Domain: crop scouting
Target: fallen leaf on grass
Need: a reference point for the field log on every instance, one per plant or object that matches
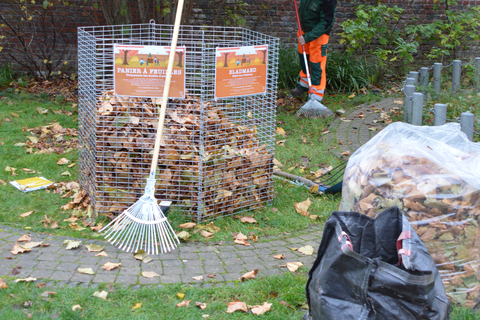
(240, 238)
(47, 294)
(261, 309)
(41, 110)
(3, 284)
(76, 227)
(2, 182)
(85, 271)
(76, 307)
(94, 247)
(29, 170)
(101, 254)
(197, 278)
(11, 170)
(201, 305)
(313, 217)
(248, 220)
(71, 244)
(236, 305)
(306, 250)
(63, 161)
(279, 256)
(137, 305)
(211, 228)
(183, 235)
(41, 285)
(110, 266)
(206, 234)
(24, 238)
(188, 225)
(18, 248)
(150, 274)
(101, 294)
(249, 275)
(345, 153)
(277, 163)
(293, 266)
(302, 207)
(66, 173)
(280, 131)
(184, 303)
(180, 295)
(351, 96)
(287, 304)
(29, 279)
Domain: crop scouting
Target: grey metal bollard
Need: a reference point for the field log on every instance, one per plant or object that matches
(477, 75)
(440, 111)
(414, 75)
(424, 82)
(410, 81)
(467, 121)
(457, 71)
(437, 76)
(409, 90)
(417, 110)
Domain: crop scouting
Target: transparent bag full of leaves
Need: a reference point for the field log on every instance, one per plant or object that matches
(433, 175)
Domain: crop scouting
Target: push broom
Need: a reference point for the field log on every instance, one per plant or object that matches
(313, 108)
(144, 226)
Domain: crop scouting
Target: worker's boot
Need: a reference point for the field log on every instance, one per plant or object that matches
(297, 91)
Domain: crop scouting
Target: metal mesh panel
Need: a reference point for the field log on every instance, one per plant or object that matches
(216, 156)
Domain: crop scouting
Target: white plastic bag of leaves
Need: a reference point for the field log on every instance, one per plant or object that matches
(433, 175)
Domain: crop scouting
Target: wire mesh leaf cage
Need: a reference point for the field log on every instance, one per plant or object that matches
(216, 155)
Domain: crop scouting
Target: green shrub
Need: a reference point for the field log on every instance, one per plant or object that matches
(344, 72)
(6, 75)
(288, 68)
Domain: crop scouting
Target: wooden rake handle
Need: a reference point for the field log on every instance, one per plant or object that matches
(166, 88)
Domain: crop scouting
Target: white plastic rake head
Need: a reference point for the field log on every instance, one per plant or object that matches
(143, 226)
(314, 109)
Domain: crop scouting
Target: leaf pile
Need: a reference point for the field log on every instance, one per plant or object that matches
(208, 162)
(52, 138)
(442, 207)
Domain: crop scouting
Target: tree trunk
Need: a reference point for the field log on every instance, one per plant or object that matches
(225, 65)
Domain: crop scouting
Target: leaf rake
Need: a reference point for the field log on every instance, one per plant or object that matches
(143, 226)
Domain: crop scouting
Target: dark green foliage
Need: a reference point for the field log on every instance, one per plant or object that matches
(6, 75)
(344, 72)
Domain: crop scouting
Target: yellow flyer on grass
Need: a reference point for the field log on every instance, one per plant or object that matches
(140, 71)
(31, 184)
(241, 71)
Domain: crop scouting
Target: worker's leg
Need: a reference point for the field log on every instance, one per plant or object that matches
(318, 61)
(302, 86)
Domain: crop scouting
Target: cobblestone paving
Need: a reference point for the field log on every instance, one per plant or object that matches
(349, 132)
(226, 261)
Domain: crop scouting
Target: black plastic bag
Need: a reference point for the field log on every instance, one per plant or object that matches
(374, 268)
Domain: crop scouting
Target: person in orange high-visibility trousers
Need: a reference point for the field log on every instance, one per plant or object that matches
(316, 19)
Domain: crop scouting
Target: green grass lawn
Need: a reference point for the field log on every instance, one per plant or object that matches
(303, 151)
(286, 293)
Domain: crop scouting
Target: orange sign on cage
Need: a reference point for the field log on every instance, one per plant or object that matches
(241, 71)
(140, 71)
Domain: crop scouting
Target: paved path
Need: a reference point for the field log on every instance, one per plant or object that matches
(350, 131)
(227, 262)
